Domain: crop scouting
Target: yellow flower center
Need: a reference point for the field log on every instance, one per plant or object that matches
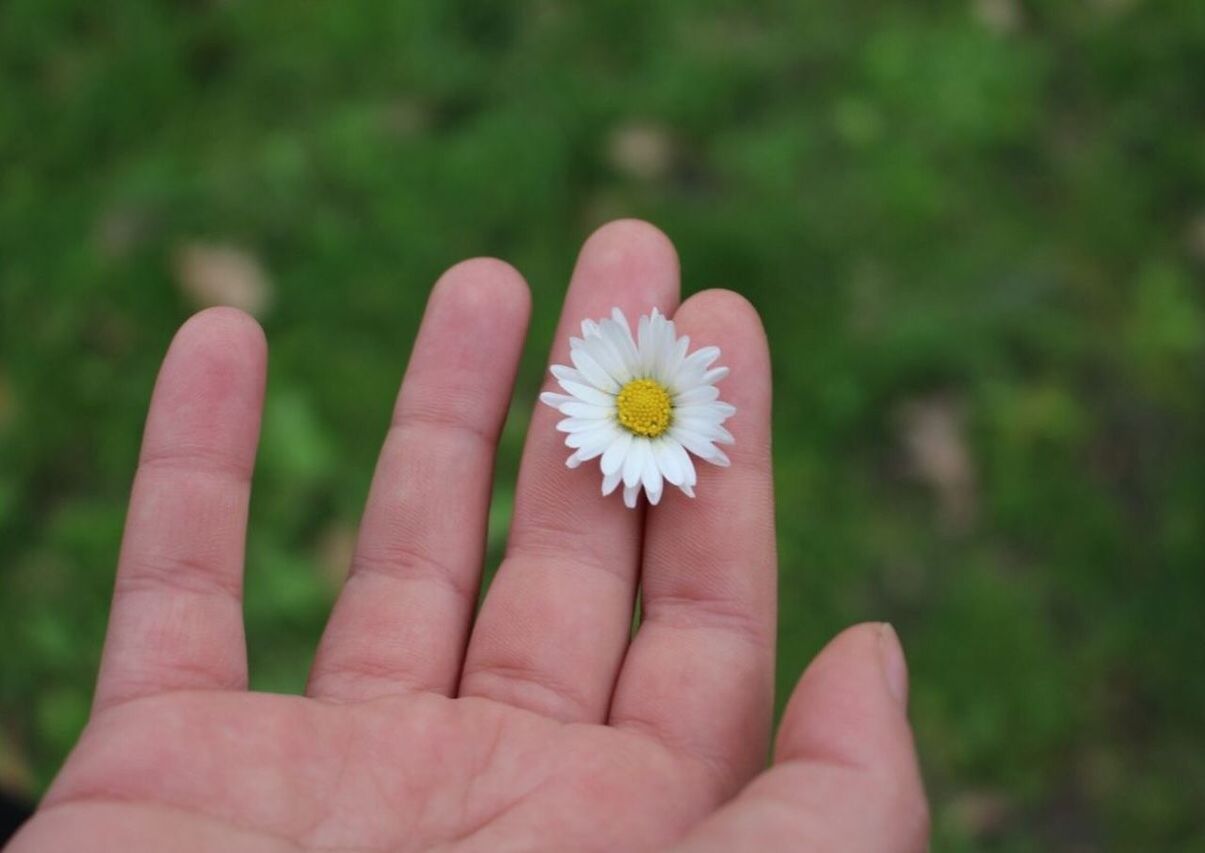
(644, 407)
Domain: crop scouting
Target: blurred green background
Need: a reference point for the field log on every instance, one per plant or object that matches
(976, 231)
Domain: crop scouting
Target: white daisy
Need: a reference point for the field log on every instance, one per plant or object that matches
(638, 405)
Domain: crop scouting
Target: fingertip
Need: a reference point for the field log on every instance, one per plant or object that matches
(226, 331)
(217, 360)
(476, 319)
(731, 321)
(210, 387)
(625, 235)
(724, 302)
(636, 264)
(484, 286)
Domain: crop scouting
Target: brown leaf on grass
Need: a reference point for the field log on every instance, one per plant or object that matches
(1112, 8)
(406, 118)
(7, 399)
(16, 773)
(999, 17)
(933, 434)
(211, 274)
(1195, 237)
(977, 814)
(121, 230)
(642, 151)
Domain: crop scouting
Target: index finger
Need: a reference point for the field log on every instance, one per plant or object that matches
(177, 618)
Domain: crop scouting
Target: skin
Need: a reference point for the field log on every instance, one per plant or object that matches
(543, 723)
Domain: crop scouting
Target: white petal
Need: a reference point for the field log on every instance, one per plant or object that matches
(695, 443)
(696, 423)
(593, 443)
(592, 451)
(694, 370)
(684, 381)
(612, 459)
(621, 344)
(574, 460)
(651, 476)
(633, 465)
(593, 371)
(720, 435)
(688, 491)
(610, 481)
(698, 395)
(684, 463)
(587, 393)
(674, 367)
(667, 461)
(607, 358)
(568, 374)
(620, 339)
(581, 424)
(720, 458)
(654, 497)
(619, 318)
(663, 350)
(577, 409)
(705, 428)
(630, 495)
(649, 333)
(701, 358)
(589, 438)
(621, 358)
(551, 398)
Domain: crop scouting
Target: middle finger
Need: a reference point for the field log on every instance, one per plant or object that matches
(554, 627)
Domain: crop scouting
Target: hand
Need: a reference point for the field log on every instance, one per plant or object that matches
(539, 725)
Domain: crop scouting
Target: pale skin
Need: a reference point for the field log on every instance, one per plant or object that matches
(540, 722)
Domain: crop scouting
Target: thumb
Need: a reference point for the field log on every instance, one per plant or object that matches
(845, 776)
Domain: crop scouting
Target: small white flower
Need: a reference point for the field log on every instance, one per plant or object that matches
(640, 404)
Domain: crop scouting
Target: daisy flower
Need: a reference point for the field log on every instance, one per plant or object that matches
(641, 405)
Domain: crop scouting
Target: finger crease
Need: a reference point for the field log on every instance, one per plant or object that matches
(407, 564)
(165, 573)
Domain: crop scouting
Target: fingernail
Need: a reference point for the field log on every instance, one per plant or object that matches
(895, 668)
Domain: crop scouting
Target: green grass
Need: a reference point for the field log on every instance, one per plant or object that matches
(938, 207)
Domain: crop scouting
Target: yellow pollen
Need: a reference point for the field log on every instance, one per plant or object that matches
(644, 407)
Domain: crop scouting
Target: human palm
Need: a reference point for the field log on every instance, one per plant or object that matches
(543, 722)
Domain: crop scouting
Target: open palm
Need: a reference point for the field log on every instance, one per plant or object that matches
(544, 723)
